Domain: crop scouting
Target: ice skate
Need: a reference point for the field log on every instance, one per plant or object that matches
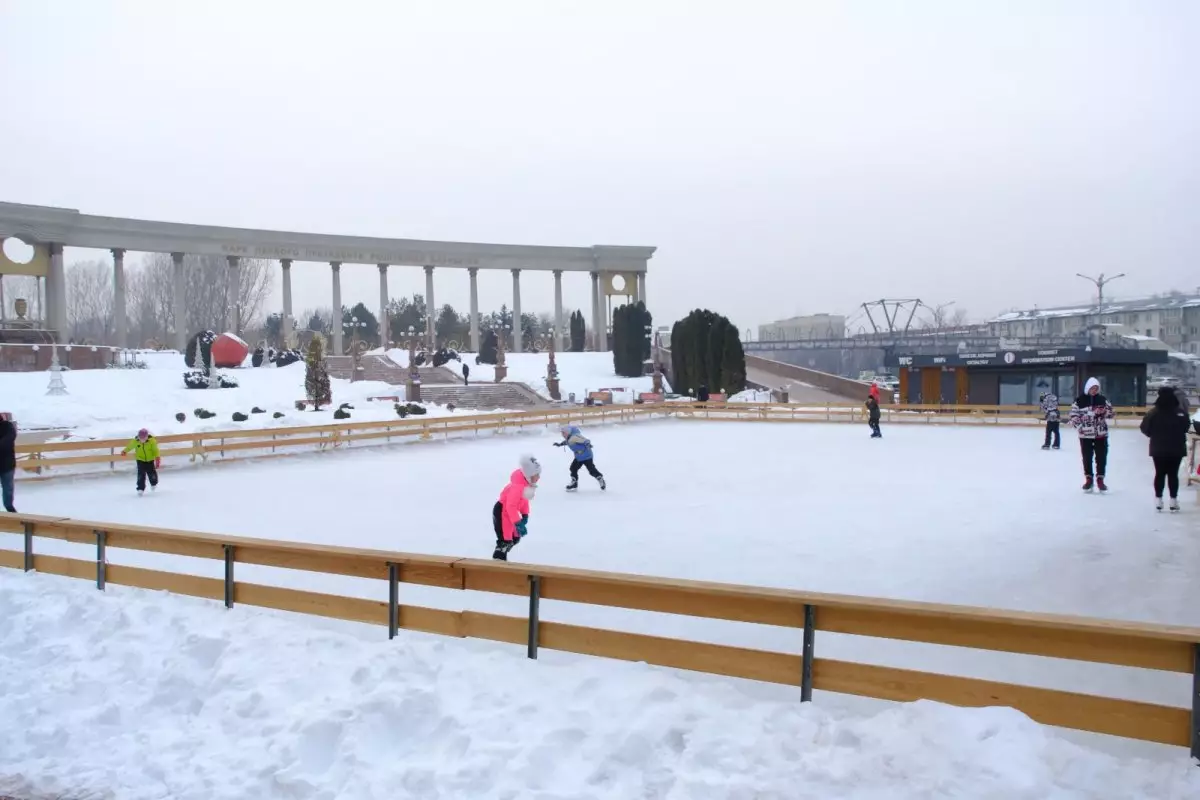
(1100, 484)
(1045, 447)
(603, 485)
(573, 485)
(141, 492)
(1158, 504)
(1088, 483)
(1174, 504)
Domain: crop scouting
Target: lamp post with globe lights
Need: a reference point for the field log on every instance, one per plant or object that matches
(356, 352)
(412, 388)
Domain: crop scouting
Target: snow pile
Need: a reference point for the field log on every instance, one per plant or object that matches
(132, 694)
(114, 403)
(578, 373)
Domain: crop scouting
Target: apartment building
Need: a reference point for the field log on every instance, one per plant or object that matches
(1172, 319)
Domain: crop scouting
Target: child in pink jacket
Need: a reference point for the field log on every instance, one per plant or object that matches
(510, 515)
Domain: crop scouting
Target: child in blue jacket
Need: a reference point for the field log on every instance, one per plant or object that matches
(581, 447)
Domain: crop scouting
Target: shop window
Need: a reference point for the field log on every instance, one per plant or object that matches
(1014, 390)
(1066, 389)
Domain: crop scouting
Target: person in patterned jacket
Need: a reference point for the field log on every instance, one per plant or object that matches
(1090, 414)
(1049, 401)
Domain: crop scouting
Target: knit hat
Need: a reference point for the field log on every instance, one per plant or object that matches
(530, 467)
(143, 434)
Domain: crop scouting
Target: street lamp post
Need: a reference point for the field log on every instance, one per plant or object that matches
(412, 389)
(355, 353)
(1100, 282)
(552, 370)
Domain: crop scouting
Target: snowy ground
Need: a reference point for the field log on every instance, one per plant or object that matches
(133, 696)
(978, 516)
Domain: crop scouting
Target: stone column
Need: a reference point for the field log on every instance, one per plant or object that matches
(56, 293)
(120, 316)
(383, 305)
(233, 306)
(286, 263)
(597, 315)
(179, 283)
(641, 287)
(516, 332)
(336, 322)
(430, 310)
(558, 318)
(474, 273)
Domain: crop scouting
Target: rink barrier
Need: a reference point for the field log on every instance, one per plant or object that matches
(262, 443)
(1163, 648)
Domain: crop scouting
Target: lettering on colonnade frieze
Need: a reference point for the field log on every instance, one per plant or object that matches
(411, 257)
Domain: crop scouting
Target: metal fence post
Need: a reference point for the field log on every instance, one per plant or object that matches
(393, 599)
(228, 575)
(806, 670)
(535, 595)
(28, 526)
(1196, 701)
(100, 559)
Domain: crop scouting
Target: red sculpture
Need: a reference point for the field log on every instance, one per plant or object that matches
(228, 351)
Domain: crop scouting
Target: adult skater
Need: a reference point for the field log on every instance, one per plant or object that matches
(145, 450)
(1089, 415)
(1049, 401)
(1166, 425)
(510, 514)
(873, 416)
(8, 459)
(466, 374)
(581, 446)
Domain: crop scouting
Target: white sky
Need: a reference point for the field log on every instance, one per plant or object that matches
(784, 157)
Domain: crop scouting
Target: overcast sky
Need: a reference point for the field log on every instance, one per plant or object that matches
(784, 157)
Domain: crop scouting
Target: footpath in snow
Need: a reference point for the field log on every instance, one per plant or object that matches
(136, 695)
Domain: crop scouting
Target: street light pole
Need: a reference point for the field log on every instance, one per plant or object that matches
(1100, 282)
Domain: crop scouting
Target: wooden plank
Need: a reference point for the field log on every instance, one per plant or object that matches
(191, 585)
(494, 627)
(715, 659)
(1128, 718)
(12, 559)
(693, 602)
(430, 620)
(279, 555)
(1010, 636)
(71, 567)
(446, 576)
(14, 523)
(173, 543)
(333, 606)
(481, 578)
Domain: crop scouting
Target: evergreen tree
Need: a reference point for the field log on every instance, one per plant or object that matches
(316, 376)
(707, 350)
(578, 332)
(370, 331)
(488, 347)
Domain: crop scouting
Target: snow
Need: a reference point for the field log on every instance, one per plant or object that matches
(294, 703)
(114, 403)
(140, 695)
(578, 373)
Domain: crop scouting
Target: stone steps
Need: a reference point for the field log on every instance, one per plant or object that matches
(484, 396)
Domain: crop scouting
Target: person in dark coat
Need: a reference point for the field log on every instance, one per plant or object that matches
(873, 416)
(8, 459)
(466, 374)
(1166, 425)
(702, 393)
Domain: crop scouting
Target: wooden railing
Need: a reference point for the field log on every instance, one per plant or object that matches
(265, 442)
(1145, 646)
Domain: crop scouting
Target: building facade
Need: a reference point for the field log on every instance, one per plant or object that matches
(812, 326)
(1172, 319)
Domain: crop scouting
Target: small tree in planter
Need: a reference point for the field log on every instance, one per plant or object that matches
(316, 376)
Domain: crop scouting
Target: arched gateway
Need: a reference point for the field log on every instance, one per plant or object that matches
(49, 229)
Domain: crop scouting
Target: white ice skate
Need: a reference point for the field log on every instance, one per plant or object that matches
(1174, 504)
(1158, 504)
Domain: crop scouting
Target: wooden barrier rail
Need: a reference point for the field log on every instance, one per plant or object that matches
(258, 441)
(1146, 646)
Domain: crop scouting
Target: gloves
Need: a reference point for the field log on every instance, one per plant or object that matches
(124, 453)
(523, 527)
(560, 444)
(158, 462)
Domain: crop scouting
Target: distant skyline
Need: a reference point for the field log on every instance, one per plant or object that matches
(785, 158)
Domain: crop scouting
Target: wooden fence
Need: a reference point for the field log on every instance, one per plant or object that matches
(1154, 647)
(265, 442)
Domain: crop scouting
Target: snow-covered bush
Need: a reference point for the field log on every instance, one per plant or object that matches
(341, 413)
(240, 417)
(257, 410)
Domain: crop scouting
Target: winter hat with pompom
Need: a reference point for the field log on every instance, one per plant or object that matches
(530, 467)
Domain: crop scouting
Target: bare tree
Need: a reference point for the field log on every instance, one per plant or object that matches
(211, 301)
(90, 301)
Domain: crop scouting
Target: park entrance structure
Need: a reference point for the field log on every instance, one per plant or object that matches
(614, 270)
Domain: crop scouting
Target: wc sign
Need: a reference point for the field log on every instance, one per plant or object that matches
(905, 361)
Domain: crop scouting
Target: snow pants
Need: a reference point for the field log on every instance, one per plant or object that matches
(146, 470)
(1166, 473)
(502, 545)
(591, 468)
(1052, 430)
(1097, 448)
(6, 484)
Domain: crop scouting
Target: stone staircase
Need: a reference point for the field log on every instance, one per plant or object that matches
(484, 396)
(382, 368)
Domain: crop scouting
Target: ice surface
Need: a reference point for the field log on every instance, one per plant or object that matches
(977, 516)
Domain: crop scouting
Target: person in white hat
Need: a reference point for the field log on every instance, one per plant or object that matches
(1090, 414)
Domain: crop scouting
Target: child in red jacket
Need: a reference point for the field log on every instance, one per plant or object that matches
(510, 514)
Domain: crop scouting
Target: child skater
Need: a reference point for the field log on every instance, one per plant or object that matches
(510, 514)
(145, 450)
(873, 414)
(581, 446)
